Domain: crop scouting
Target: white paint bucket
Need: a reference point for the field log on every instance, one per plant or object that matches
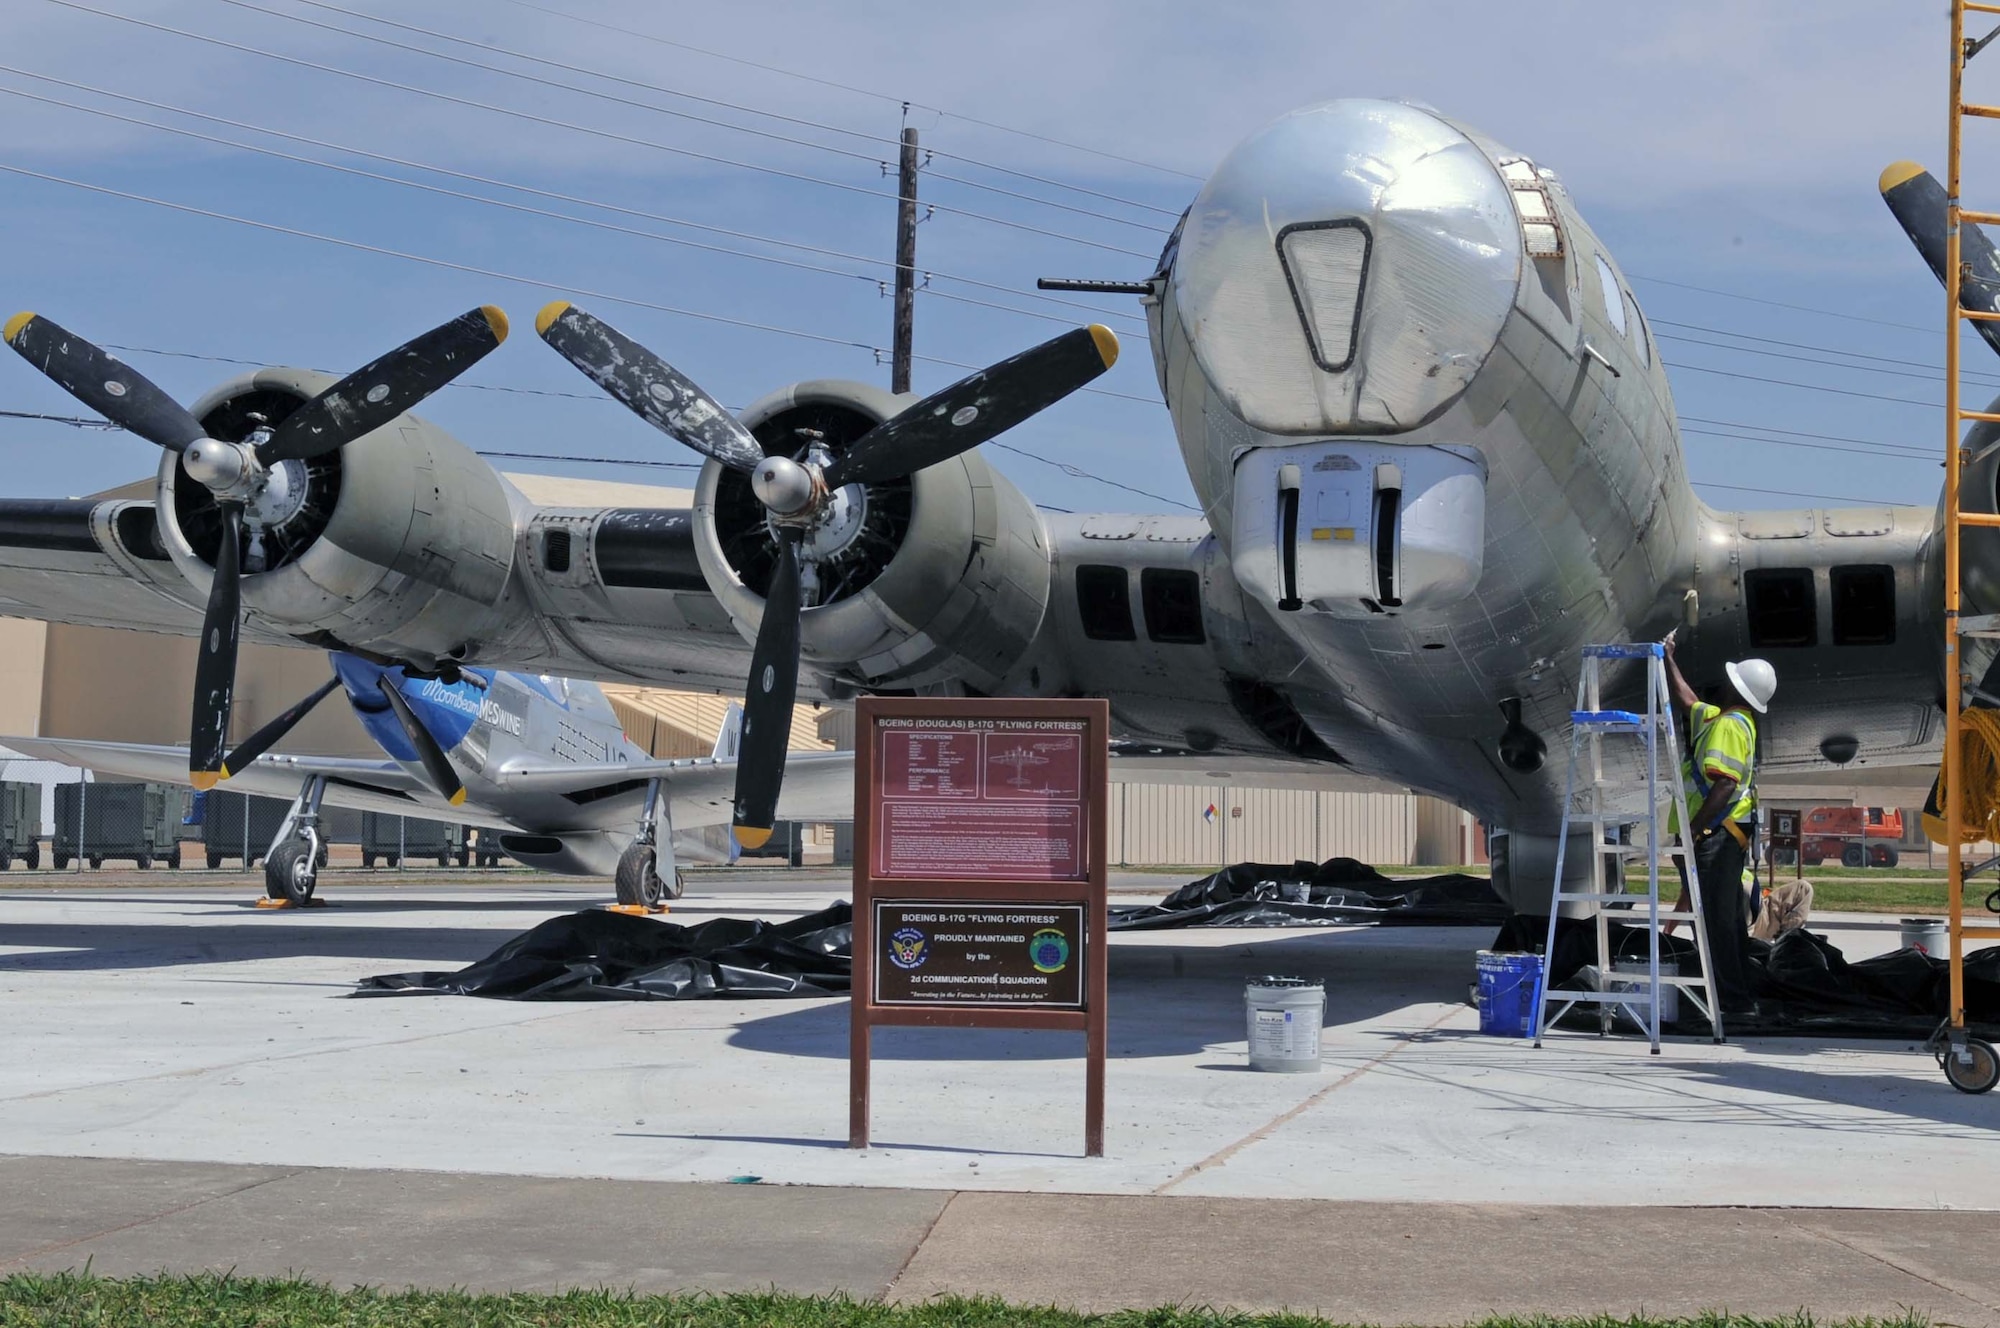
(1632, 976)
(1284, 1016)
(1928, 935)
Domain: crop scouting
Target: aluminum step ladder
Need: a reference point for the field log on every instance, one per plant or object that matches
(1610, 811)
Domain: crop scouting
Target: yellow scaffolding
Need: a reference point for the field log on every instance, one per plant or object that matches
(1959, 1054)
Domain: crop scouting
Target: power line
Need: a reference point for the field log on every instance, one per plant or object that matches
(509, 185)
(1815, 447)
(518, 207)
(581, 129)
(438, 262)
(1788, 493)
(1801, 359)
(861, 92)
(689, 96)
(1780, 304)
(1797, 433)
(1809, 387)
(1802, 345)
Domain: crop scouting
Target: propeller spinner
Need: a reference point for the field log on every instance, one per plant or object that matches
(802, 493)
(243, 474)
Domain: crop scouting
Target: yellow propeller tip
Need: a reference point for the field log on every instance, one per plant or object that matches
(551, 311)
(1107, 343)
(496, 318)
(226, 771)
(1897, 173)
(204, 779)
(15, 324)
(458, 798)
(752, 836)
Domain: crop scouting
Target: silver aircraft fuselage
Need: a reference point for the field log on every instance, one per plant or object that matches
(1369, 302)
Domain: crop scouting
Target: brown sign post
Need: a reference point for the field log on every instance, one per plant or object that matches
(979, 840)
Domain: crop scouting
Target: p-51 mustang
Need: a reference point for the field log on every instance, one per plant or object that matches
(542, 760)
(1426, 420)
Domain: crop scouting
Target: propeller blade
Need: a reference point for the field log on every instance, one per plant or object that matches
(767, 709)
(384, 388)
(215, 666)
(651, 388)
(103, 382)
(268, 737)
(1917, 200)
(976, 408)
(443, 778)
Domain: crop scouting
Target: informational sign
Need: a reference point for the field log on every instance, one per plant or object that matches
(1784, 830)
(979, 897)
(943, 952)
(979, 799)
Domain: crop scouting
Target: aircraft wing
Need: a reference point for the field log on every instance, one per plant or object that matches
(819, 786)
(358, 783)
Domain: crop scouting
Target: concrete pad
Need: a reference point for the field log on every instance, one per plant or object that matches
(397, 1229)
(1436, 1263)
(179, 1024)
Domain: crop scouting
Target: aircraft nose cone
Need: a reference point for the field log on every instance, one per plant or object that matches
(1348, 266)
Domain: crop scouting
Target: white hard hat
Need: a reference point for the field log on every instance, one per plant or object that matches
(1754, 680)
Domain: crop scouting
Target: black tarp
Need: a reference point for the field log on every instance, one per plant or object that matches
(1303, 894)
(596, 955)
(1804, 985)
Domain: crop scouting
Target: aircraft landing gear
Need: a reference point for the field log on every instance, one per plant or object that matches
(641, 882)
(291, 868)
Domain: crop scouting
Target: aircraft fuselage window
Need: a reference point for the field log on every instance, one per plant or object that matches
(1614, 297)
(1864, 606)
(1173, 606)
(1781, 608)
(1104, 602)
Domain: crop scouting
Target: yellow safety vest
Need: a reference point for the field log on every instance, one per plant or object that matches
(1725, 742)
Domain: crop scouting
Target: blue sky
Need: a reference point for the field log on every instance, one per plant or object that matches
(1714, 145)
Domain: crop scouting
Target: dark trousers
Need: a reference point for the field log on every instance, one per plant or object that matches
(1719, 861)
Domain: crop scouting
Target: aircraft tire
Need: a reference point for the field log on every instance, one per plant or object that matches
(638, 879)
(292, 870)
(33, 857)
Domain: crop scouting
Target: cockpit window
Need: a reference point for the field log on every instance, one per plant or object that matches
(1173, 246)
(1639, 332)
(1614, 298)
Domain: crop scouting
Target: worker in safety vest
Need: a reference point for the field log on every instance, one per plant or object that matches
(1719, 800)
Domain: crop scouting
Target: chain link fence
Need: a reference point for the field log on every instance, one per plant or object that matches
(94, 822)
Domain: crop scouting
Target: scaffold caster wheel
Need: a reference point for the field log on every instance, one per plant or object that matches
(1977, 1071)
(290, 872)
(638, 878)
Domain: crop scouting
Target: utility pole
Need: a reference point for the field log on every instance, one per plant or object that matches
(906, 265)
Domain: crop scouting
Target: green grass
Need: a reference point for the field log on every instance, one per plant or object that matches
(75, 1300)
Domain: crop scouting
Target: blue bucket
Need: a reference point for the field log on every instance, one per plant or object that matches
(1508, 985)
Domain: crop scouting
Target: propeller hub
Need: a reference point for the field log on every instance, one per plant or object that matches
(783, 485)
(219, 465)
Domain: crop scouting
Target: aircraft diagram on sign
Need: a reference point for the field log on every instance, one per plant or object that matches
(1426, 420)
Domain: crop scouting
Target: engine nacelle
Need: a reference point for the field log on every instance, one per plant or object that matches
(402, 541)
(942, 575)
